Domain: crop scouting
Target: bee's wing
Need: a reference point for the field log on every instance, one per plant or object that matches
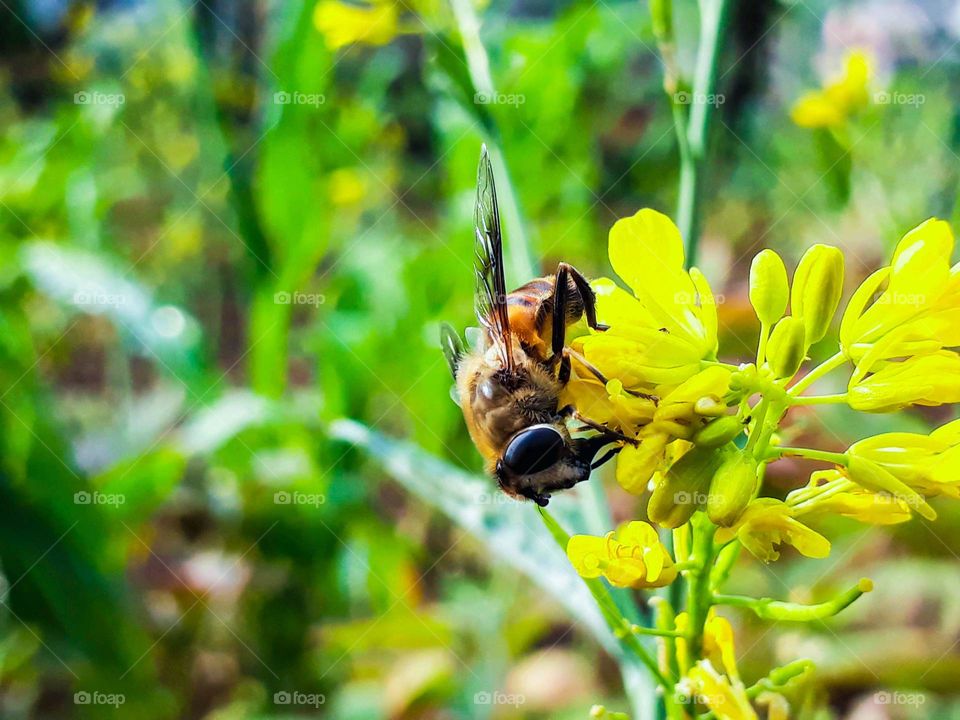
(490, 294)
(452, 347)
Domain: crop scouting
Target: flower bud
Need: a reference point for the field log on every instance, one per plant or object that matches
(719, 432)
(681, 490)
(732, 488)
(787, 347)
(769, 289)
(817, 286)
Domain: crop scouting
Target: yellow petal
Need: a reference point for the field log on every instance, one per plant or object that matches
(587, 554)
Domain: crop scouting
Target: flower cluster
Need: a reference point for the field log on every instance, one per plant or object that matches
(706, 430)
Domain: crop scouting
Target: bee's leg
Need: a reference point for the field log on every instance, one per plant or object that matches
(609, 455)
(541, 500)
(571, 353)
(559, 330)
(563, 375)
(586, 294)
(608, 434)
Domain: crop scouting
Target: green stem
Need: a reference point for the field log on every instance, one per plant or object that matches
(831, 363)
(520, 262)
(810, 454)
(835, 399)
(771, 609)
(758, 424)
(712, 21)
(699, 597)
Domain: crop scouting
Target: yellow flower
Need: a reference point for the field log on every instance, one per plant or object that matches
(929, 464)
(829, 492)
(676, 417)
(922, 380)
(832, 105)
(347, 186)
(343, 23)
(918, 310)
(714, 681)
(609, 404)
(630, 557)
(659, 335)
(767, 523)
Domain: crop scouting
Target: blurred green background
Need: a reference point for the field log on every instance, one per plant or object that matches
(226, 228)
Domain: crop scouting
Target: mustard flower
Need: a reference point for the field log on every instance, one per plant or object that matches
(630, 557)
(343, 23)
(832, 493)
(767, 523)
(832, 105)
(929, 464)
(714, 681)
(910, 307)
(659, 335)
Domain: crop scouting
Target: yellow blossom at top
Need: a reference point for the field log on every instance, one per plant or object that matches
(917, 309)
(833, 104)
(659, 335)
(343, 23)
(630, 557)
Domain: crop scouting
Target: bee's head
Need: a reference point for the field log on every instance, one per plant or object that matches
(542, 458)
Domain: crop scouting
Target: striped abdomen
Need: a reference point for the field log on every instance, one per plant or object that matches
(530, 309)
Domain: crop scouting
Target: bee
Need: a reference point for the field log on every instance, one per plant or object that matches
(509, 384)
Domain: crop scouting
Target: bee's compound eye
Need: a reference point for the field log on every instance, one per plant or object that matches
(534, 450)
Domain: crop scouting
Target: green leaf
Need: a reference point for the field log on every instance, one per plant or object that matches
(511, 532)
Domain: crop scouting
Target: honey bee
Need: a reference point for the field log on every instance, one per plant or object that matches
(509, 384)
